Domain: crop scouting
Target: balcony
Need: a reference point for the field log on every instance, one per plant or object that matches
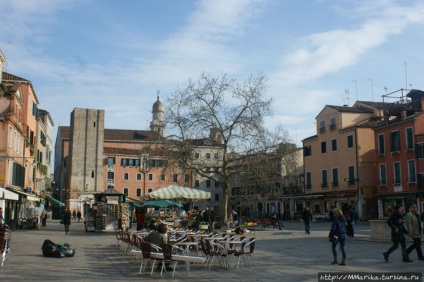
(110, 181)
(382, 183)
(335, 185)
(324, 186)
(322, 130)
(332, 127)
(110, 167)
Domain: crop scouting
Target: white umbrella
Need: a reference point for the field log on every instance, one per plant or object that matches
(174, 192)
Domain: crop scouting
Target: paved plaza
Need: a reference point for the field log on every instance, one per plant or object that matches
(286, 255)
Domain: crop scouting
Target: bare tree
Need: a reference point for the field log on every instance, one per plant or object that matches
(232, 112)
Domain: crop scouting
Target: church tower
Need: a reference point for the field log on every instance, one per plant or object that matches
(158, 121)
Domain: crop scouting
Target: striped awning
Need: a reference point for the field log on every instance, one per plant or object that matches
(174, 192)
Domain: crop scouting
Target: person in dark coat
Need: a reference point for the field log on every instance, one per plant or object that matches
(207, 217)
(79, 215)
(398, 234)
(307, 218)
(413, 225)
(338, 235)
(67, 220)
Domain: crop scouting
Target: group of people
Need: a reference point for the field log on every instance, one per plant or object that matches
(340, 229)
(76, 214)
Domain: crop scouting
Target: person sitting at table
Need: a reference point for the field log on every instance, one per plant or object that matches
(159, 237)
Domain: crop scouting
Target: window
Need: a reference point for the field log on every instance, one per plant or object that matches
(110, 175)
(333, 124)
(92, 174)
(334, 145)
(208, 156)
(10, 137)
(335, 177)
(138, 176)
(383, 175)
(412, 178)
(409, 139)
(125, 175)
(196, 155)
(110, 161)
(381, 148)
(308, 180)
(126, 192)
(150, 177)
(216, 156)
(149, 190)
(216, 197)
(394, 141)
(158, 163)
(216, 184)
(420, 151)
(196, 183)
(162, 177)
(208, 183)
(323, 147)
(138, 192)
(322, 127)
(350, 141)
(186, 178)
(324, 179)
(307, 151)
(397, 176)
(174, 177)
(351, 173)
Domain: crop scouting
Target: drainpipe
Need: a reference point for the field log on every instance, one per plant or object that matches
(358, 199)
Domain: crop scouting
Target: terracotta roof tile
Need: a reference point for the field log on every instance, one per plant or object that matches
(9, 76)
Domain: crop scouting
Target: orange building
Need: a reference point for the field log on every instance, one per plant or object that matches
(339, 161)
(400, 153)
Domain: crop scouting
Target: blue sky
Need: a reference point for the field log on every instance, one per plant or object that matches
(115, 55)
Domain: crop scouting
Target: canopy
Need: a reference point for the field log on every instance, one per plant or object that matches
(8, 195)
(175, 192)
(56, 203)
(160, 204)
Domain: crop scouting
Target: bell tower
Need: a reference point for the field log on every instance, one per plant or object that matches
(158, 120)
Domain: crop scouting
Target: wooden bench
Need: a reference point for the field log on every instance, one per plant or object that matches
(268, 223)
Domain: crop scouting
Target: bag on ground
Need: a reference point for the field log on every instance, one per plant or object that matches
(51, 249)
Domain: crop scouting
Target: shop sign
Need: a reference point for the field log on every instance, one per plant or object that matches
(112, 200)
(397, 188)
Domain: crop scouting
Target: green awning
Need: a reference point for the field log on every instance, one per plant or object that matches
(54, 202)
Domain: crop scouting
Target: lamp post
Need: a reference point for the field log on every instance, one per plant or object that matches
(144, 168)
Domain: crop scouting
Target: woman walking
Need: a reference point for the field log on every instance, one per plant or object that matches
(338, 235)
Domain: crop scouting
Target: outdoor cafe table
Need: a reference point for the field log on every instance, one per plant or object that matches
(184, 245)
(186, 259)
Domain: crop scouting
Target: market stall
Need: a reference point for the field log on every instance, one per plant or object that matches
(110, 210)
(177, 193)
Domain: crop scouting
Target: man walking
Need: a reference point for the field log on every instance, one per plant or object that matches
(413, 225)
(307, 218)
(67, 220)
(398, 234)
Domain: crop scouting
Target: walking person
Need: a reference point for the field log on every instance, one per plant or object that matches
(74, 215)
(413, 225)
(398, 234)
(43, 218)
(307, 218)
(67, 220)
(79, 215)
(338, 235)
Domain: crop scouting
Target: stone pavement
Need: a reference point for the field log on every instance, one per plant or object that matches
(286, 255)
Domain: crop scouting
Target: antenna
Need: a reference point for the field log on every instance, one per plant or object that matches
(406, 77)
(385, 89)
(347, 96)
(356, 88)
(372, 90)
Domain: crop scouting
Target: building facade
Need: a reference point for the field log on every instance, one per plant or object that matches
(339, 161)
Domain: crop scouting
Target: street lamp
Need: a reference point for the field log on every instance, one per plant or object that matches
(144, 168)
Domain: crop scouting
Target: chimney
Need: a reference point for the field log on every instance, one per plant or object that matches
(403, 114)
